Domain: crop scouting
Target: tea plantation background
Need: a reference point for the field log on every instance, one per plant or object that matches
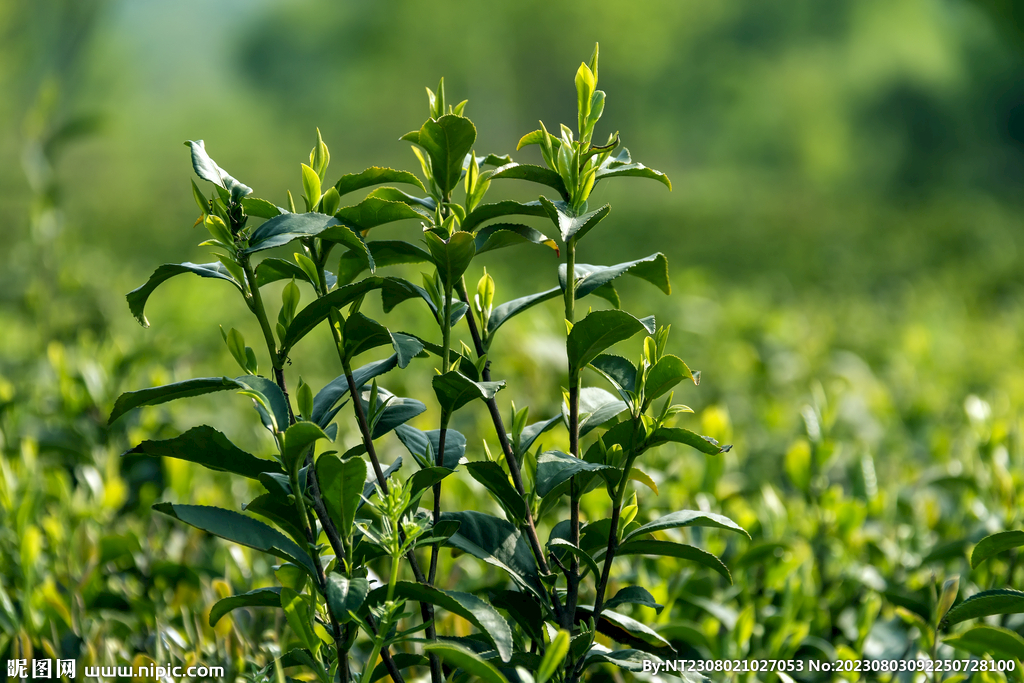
(845, 238)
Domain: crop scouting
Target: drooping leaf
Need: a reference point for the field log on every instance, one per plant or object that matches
(278, 510)
(467, 661)
(634, 595)
(989, 641)
(666, 373)
(495, 480)
(375, 211)
(395, 291)
(535, 174)
(555, 467)
(990, 546)
(425, 206)
(208, 447)
(684, 518)
(622, 166)
(326, 398)
(570, 226)
(169, 392)
(207, 169)
(600, 330)
(270, 400)
(240, 529)
(138, 297)
(507, 310)
(417, 441)
(452, 257)
(486, 212)
(498, 543)
(346, 595)
(341, 483)
(375, 175)
(454, 390)
(427, 477)
(362, 334)
(466, 605)
(653, 269)
(500, 235)
(984, 604)
(704, 444)
(680, 550)
(447, 141)
(261, 597)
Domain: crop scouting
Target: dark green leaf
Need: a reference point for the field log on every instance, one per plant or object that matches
(495, 480)
(486, 212)
(684, 518)
(342, 486)
(984, 604)
(170, 392)
(468, 606)
(616, 166)
(617, 370)
(447, 141)
(416, 441)
(532, 432)
(535, 174)
(398, 411)
(317, 311)
(240, 529)
(500, 235)
(570, 226)
(600, 330)
(555, 467)
(326, 398)
(624, 629)
(634, 595)
(402, 660)
(498, 543)
(990, 546)
(362, 334)
(208, 447)
(989, 641)
(286, 227)
(502, 313)
(524, 610)
(653, 269)
(261, 597)
(587, 560)
(452, 257)
(278, 510)
(346, 595)
(138, 297)
(596, 407)
(427, 477)
(466, 660)
(454, 390)
(271, 395)
(275, 269)
(384, 253)
(207, 169)
(425, 206)
(375, 175)
(374, 211)
(704, 444)
(669, 549)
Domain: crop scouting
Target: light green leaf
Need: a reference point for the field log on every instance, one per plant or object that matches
(704, 444)
(296, 609)
(666, 373)
(311, 187)
(989, 641)
(495, 480)
(452, 257)
(297, 440)
(534, 174)
(554, 656)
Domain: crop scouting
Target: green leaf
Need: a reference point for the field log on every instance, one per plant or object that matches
(600, 330)
(317, 311)
(498, 543)
(466, 660)
(384, 253)
(311, 187)
(617, 370)
(402, 660)
(622, 166)
(374, 211)
(452, 257)
(495, 480)
(261, 597)
(292, 226)
(666, 373)
(524, 610)
(653, 269)
(468, 606)
(375, 175)
(532, 432)
(990, 546)
(596, 407)
(535, 174)
(346, 595)
(260, 208)
(325, 400)
(427, 477)
(296, 608)
(425, 206)
(275, 269)
(240, 529)
(138, 297)
(582, 555)
(704, 444)
(170, 392)
(362, 334)
(984, 604)
(634, 595)
(454, 390)
(989, 641)
(635, 660)
(501, 235)
(371, 485)
(501, 314)
(684, 518)
(416, 442)
(554, 656)
(269, 397)
(207, 169)
(569, 225)
(341, 483)
(680, 550)
(398, 411)
(624, 629)
(208, 447)
(555, 467)
(278, 510)
(447, 141)
(486, 212)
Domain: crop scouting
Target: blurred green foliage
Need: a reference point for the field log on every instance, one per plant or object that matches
(845, 228)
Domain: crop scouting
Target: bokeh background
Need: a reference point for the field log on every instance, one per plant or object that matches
(844, 232)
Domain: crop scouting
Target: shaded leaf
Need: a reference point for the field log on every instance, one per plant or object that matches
(495, 480)
(467, 660)
(634, 595)
(617, 370)
(454, 390)
(416, 442)
(384, 253)
(374, 211)
(261, 597)
(580, 554)
(341, 483)
(326, 398)
(507, 310)
(498, 543)
(621, 166)
(346, 595)
(624, 629)
(989, 641)
(653, 269)
(570, 226)
(500, 235)
(680, 550)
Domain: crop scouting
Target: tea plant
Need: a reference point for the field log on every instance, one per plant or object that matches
(340, 518)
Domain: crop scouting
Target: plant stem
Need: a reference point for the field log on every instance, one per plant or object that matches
(573, 577)
(446, 345)
(506, 447)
